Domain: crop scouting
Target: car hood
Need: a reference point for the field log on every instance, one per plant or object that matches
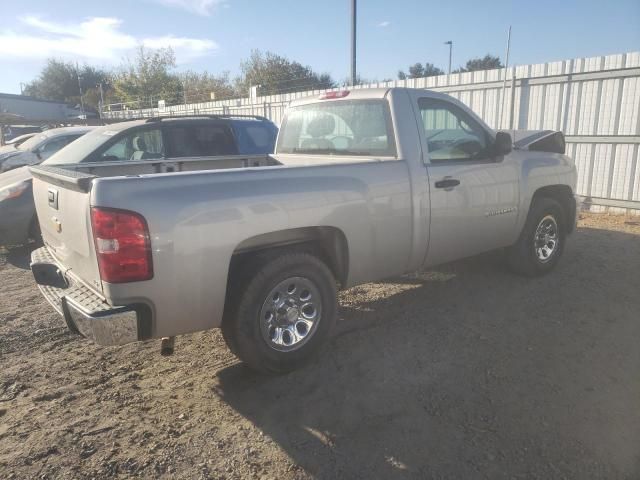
(14, 176)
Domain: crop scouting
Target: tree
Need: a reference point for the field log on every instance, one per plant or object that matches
(58, 80)
(488, 62)
(198, 87)
(417, 70)
(276, 74)
(148, 78)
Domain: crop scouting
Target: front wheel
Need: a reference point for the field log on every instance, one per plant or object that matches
(541, 242)
(280, 312)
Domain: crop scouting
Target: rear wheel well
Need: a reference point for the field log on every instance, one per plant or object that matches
(329, 244)
(564, 196)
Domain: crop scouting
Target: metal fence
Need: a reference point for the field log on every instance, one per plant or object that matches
(594, 101)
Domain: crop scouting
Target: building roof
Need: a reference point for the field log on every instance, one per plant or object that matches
(27, 98)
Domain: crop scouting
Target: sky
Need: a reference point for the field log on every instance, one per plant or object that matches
(216, 35)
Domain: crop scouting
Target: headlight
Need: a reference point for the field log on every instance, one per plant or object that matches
(13, 191)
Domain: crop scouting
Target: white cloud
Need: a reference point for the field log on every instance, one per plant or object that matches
(199, 7)
(96, 38)
(384, 24)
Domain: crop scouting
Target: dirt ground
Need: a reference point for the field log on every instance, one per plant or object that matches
(463, 372)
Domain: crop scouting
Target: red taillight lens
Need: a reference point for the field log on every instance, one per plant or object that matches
(122, 245)
(330, 95)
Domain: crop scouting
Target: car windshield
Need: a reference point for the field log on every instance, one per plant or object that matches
(79, 149)
(358, 127)
(33, 142)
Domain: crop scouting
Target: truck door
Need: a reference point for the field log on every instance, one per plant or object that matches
(474, 194)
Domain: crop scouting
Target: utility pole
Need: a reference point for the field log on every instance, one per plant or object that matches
(101, 98)
(22, 85)
(450, 43)
(84, 116)
(353, 42)
(504, 79)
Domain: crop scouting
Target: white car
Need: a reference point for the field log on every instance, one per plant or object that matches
(39, 147)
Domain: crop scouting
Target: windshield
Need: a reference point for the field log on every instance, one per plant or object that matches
(358, 127)
(33, 142)
(79, 149)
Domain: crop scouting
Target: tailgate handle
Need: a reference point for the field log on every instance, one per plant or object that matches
(52, 197)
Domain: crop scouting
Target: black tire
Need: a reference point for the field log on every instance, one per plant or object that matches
(522, 256)
(248, 291)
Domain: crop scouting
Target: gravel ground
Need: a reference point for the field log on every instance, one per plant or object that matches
(463, 372)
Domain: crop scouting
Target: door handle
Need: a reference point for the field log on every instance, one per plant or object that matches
(447, 182)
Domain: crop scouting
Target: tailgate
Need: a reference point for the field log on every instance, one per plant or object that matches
(62, 199)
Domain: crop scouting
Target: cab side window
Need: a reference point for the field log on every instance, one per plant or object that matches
(136, 145)
(52, 146)
(452, 135)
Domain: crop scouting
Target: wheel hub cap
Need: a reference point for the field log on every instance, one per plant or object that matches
(290, 314)
(546, 239)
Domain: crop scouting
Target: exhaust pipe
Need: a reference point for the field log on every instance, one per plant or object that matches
(166, 346)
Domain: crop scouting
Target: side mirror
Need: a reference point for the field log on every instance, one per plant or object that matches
(503, 144)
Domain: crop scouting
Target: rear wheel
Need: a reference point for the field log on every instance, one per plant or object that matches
(280, 312)
(541, 242)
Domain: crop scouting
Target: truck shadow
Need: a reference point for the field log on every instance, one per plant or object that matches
(468, 371)
(19, 256)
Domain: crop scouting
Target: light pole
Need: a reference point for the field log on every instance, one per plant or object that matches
(450, 43)
(84, 116)
(353, 42)
(101, 98)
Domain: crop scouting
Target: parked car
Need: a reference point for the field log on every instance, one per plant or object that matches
(20, 139)
(39, 147)
(11, 132)
(364, 184)
(18, 220)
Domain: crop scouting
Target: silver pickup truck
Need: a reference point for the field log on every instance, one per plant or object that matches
(364, 184)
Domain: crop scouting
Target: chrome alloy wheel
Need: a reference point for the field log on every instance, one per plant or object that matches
(546, 239)
(290, 314)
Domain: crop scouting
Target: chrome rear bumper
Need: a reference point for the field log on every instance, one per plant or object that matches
(84, 310)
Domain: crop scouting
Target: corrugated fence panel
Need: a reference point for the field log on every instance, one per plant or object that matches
(622, 170)
(600, 173)
(588, 110)
(635, 195)
(608, 107)
(582, 157)
(630, 107)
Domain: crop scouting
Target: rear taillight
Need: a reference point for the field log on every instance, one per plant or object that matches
(122, 244)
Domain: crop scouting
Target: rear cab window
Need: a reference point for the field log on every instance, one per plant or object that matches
(344, 127)
(203, 139)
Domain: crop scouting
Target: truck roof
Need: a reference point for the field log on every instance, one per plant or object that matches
(362, 94)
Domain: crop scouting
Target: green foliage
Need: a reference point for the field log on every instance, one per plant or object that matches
(59, 81)
(148, 78)
(198, 87)
(417, 70)
(488, 62)
(276, 74)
